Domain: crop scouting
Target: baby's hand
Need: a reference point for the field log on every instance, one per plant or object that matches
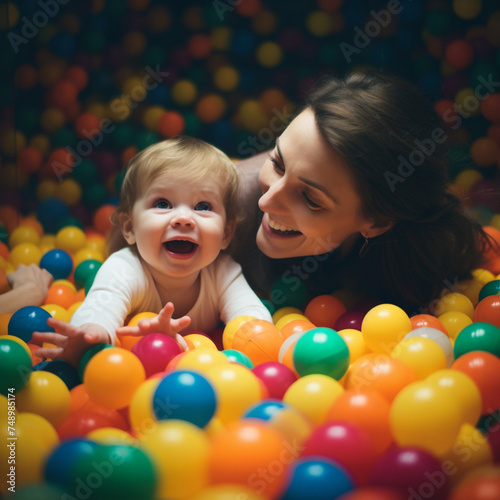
(163, 323)
(71, 341)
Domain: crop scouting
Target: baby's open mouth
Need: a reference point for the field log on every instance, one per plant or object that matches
(180, 246)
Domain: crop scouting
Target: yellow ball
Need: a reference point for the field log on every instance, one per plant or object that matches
(58, 312)
(226, 78)
(454, 322)
(467, 178)
(227, 492)
(453, 301)
(141, 414)
(467, 100)
(184, 92)
(152, 116)
(25, 253)
(355, 343)
(72, 309)
(46, 188)
(279, 313)
(200, 341)
(313, 395)
(52, 120)
(202, 359)
(71, 239)
(467, 9)
(42, 143)
(269, 54)
(425, 416)
(221, 37)
(319, 23)
(422, 354)
(69, 191)
(483, 275)
(252, 116)
(46, 395)
(24, 234)
(384, 326)
(87, 253)
(287, 318)
(111, 435)
(230, 330)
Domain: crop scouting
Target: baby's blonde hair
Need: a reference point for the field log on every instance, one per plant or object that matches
(189, 159)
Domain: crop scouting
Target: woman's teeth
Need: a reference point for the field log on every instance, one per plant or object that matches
(279, 227)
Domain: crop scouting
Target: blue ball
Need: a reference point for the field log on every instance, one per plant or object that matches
(185, 395)
(50, 212)
(317, 479)
(62, 461)
(264, 410)
(27, 320)
(66, 372)
(58, 263)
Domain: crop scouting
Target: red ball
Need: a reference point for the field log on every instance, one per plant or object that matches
(276, 376)
(155, 352)
(29, 159)
(490, 107)
(459, 54)
(80, 423)
(171, 124)
(324, 310)
(78, 76)
(88, 125)
(102, 218)
(488, 310)
(63, 93)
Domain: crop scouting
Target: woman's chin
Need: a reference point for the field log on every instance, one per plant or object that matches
(268, 248)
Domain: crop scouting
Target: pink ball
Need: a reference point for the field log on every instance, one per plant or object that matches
(349, 320)
(155, 352)
(276, 376)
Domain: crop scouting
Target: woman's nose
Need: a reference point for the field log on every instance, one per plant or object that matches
(272, 199)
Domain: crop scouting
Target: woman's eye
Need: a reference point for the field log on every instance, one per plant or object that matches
(163, 204)
(276, 164)
(310, 203)
(203, 206)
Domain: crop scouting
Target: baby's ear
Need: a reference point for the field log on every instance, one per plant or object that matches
(125, 223)
(228, 233)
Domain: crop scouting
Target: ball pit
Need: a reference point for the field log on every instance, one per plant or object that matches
(93, 86)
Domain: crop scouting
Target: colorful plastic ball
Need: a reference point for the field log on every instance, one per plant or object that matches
(424, 355)
(349, 320)
(45, 394)
(426, 416)
(296, 325)
(324, 310)
(490, 288)
(276, 376)
(58, 262)
(24, 234)
(71, 239)
(317, 478)
(61, 294)
(63, 458)
(66, 372)
(259, 339)
(321, 350)
(483, 368)
(384, 326)
(183, 471)
(196, 340)
(374, 493)
(210, 108)
(79, 423)
(454, 322)
(141, 413)
(288, 318)
(459, 54)
(437, 336)
(171, 124)
(265, 409)
(464, 390)
(50, 212)
(85, 270)
(346, 443)
(155, 352)
(481, 485)
(478, 337)
(200, 359)
(413, 471)
(427, 320)
(112, 376)
(230, 330)
(25, 253)
(367, 409)
(488, 311)
(235, 356)
(15, 367)
(264, 449)
(27, 320)
(227, 492)
(314, 395)
(122, 470)
(355, 343)
(185, 395)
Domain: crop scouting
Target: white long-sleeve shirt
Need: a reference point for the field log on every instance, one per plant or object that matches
(124, 286)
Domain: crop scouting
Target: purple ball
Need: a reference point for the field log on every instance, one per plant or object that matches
(412, 470)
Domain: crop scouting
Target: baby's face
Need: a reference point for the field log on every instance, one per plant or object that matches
(179, 226)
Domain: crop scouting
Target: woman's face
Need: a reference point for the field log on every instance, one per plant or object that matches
(309, 199)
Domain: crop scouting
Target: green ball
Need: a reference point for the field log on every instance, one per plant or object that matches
(94, 196)
(15, 367)
(438, 22)
(269, 306)
(145, 139)
(85, 270)
(4, 235)
(125, 472)
(478, 337)
(38, 491)
(235, 356)
(70, 220)
(490, 288)
(321, 350)
(86, 173)
(289, 291)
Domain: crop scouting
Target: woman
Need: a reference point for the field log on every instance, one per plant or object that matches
(354, 196)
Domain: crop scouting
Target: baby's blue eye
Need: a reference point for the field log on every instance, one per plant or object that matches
(203, 206)
(163, 204)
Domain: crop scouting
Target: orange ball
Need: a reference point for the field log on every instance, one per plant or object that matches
(379, 372)
(102, 218)
(60, 160)
(88, 125)
(78, 76)
(210, 108)
(296, 326)
(490, 107)
(248, 8)
(488, 311)
(259, 339)
(61, 295)
(484, 151)
(26, 77)
(199, 46)
(29, 159)
(171, 124)
(324, 310)
(422, 320)
(62, 94)
(459, 54)
(367, 409)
